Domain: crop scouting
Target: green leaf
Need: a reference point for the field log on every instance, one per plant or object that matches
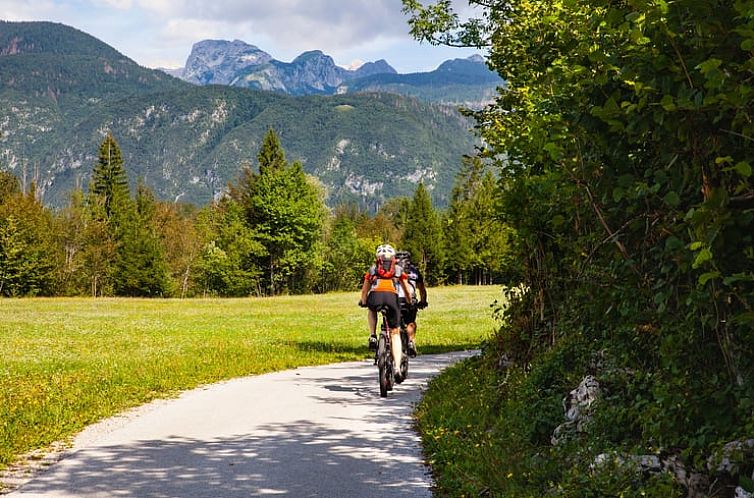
(709, 65)
(743, 168)
(672, 199)
(701, 258)
(668, 103)
(706, 277)
(553, 150)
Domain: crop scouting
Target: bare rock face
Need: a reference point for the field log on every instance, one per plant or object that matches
(220, 61)
(236, 63)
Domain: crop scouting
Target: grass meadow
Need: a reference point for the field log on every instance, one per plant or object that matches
(68, 362)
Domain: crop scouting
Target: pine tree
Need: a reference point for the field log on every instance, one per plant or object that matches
(286, 211)
(271, 155)
(460, 219)
(488, 233)
(109, 180)
(423, 236)
(141, 266)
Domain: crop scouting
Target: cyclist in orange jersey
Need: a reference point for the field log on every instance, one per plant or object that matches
(381, 288)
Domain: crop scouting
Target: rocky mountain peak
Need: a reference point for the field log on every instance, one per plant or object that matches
(220, 61)
(378, 67)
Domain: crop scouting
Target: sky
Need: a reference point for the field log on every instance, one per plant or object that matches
(160, 33)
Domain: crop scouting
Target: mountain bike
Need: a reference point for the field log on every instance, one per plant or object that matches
(383, 357)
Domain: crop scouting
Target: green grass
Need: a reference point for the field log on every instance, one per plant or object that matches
(67, 363)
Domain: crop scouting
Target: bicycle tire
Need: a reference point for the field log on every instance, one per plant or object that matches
(404, 356)
(383, 370)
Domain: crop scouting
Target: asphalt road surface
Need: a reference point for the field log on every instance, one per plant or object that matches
(309, 432)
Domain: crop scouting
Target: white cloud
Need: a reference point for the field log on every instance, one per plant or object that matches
(118, 4)
(161, 32)
(299, 24)
(30, 10)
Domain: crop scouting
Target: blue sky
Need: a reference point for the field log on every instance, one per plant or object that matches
(160, 33)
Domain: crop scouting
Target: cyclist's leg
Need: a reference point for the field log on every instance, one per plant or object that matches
(372, 302)
(409, 317)
(394, 322)
(372, 320)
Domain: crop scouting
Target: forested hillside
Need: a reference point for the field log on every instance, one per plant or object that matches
(270, 233)
(61, 91)
(625, 362)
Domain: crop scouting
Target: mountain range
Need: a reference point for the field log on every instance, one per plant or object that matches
(62, 90)
(466, 82)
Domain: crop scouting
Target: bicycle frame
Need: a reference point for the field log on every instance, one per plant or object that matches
(383, 357)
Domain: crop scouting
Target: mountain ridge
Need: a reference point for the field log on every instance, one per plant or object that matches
(457, 81)
(187, 142)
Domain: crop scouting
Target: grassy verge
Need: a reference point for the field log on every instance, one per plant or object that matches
(69, 362)
(486, 432)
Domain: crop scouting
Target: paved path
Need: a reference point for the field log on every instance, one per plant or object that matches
(310, 432)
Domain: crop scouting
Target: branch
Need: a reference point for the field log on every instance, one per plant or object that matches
(683, 63)
(735, 133)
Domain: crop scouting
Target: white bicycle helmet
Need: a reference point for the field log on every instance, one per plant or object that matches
(385, 252)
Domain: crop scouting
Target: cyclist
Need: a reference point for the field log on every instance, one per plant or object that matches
(409, 304)
(381, 284)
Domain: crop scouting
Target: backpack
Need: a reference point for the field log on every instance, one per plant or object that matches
(385, 268)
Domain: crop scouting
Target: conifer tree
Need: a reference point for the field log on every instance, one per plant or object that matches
(109, 180)
(423, 235)
(286, 211)
(141, 266)
(271, 155)
(459, 220)
(72, 238)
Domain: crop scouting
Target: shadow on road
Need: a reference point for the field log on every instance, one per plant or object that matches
(327, 456)
(238, 467)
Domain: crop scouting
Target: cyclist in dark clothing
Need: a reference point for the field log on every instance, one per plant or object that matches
(409, 303)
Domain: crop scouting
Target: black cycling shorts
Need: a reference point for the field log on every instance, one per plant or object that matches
(408, 313)
(375, 300)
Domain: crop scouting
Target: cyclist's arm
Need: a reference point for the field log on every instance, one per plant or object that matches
(365, 289)
(422, 291)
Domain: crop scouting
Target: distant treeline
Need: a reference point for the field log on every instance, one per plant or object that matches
(271, 233)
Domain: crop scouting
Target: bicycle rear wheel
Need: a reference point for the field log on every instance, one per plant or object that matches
(383, 367)
(404, 357)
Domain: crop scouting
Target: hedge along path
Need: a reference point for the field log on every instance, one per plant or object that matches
(69, 362)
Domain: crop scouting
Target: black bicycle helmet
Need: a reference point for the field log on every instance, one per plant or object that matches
(403, 256)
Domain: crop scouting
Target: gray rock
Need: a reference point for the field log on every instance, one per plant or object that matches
(577, 408)
(729, 458)
(742, 493)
